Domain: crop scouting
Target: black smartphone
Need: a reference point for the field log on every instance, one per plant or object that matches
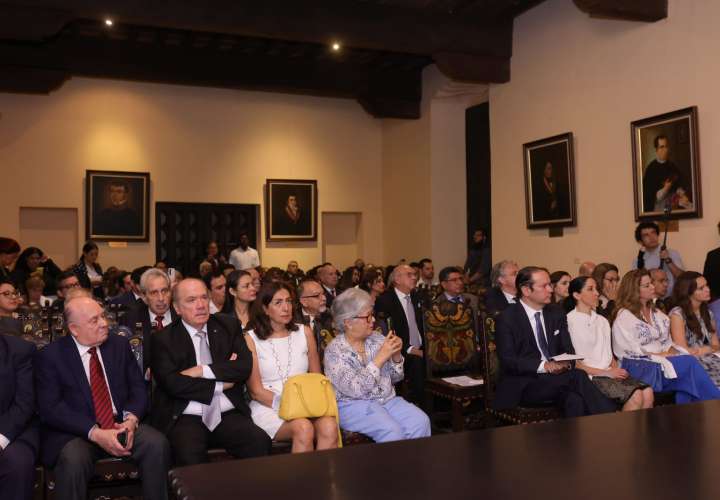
(122, 438)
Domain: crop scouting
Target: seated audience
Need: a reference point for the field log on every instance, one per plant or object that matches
(216, 283)
(33, 262)
(91, 395)
(528, 335)
(200, 365)
(241, 295)
(503, 292)
(226, 269)
(401, 308)
(692, 324)
(607, 282)
(363, 366)
(9, 251)
(273, 275)
(131, 288)
(66, 281)
(255, 275)
(293, 273)
(373, 283)
(586, 268)
(591, 338)
(281, 349)
(426, 274)
(328, 277)
(560, 280)
(34, 287)
(313, 312)
(660, 281)
(89, 271)
(204, 269)
(109, 283)
(642, 344)
(153, 313)
(452, 284)
(653, 256)
(214, 257)
(9, 303)
(18, 434)
(711, 270)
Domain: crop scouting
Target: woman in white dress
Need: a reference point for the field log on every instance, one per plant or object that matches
(590, 334)
(282, 349)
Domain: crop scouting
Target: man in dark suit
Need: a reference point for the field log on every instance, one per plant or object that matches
(528, 335)
(313, 311)
(328, 277)
(402, 305)
(451, 281)
(153, 311)
(711, 270)
(129, 283)
(91, 398)
(200, 363)
(18, 437)
(503, 290)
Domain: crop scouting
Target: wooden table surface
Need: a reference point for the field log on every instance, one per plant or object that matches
(671, 452)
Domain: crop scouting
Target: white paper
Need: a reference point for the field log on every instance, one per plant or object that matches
(464, 381)
(567, 357)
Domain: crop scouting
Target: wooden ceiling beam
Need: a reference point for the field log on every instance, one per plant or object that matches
(648, 11)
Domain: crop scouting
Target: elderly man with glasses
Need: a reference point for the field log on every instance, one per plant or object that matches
(314, 312)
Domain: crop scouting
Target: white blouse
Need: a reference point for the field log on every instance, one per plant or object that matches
(634, 338)
(590, 334)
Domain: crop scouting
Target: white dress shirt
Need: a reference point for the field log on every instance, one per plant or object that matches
(167, 317)
(403, 302)
(244, 259)
(311, 318)
(531, 317)
(195, 407)
(508, 297)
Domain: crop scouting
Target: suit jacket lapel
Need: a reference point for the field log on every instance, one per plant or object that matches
(214, 335)
(401, 309)
(527, 327)
(72, 356)
(184, 342)
(552, 341)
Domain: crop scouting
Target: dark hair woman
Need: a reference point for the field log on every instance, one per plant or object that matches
(282, 349)
(559, 281)
(692, 324)
(89, 271)
(373, 283)
(9, 250)
(590, 334)
(33, 262)
(241, 293)
(608, 282)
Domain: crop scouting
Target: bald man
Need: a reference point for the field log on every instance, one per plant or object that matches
(586, 268)
(201, 363)
(91, 397)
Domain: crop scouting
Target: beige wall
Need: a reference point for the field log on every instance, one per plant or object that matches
(593, 77)
(199, 145)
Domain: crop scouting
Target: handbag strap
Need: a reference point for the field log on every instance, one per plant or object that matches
(299, 393)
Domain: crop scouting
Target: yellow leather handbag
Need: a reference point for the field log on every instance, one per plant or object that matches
(309, 395)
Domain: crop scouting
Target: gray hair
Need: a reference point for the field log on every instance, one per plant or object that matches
(348, 305)
(153, 272)
(498, 270)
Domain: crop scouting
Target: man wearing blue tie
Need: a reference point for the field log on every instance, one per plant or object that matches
(529, 334)
(91, 397)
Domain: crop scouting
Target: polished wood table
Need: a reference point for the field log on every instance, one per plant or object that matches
(670, 452)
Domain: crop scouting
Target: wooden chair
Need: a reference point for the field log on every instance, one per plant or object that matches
(491, 371)
(113, 478)
(450, 350)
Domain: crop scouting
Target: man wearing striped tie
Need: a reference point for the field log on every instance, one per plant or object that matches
(91, 397)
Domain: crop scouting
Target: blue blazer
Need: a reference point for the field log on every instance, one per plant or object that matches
(17, 397)
(64, 397)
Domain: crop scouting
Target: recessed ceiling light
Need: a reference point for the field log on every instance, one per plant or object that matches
(108, 22)
(336, 46)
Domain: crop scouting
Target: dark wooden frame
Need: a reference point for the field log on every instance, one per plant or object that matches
(689, 114)
(527, 149)
(89, 177)
(273, 236)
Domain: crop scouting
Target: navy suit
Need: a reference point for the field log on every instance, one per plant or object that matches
(67, 414)
(17, 407)
(521, 384)
(139, 313)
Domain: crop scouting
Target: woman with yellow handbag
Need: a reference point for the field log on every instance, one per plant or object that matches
(363, 366)
(284, 350)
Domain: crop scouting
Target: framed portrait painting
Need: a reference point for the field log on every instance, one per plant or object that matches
(550, 182)
(117, 205)
(666, 166)
(291, 210)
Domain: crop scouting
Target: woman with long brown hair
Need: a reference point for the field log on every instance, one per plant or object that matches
(692, 325)
(607, 278)
(641, 341)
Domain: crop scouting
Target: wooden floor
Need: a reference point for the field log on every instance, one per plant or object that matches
(666, 453)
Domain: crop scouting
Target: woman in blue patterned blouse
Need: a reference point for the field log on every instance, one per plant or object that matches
(363, 366)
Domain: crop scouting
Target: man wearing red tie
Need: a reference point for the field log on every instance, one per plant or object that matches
(91, 397)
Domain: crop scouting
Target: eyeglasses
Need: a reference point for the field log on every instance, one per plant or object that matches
(367, 318)
(314, 296)
(10, 295)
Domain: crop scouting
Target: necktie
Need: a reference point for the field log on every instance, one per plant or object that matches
(415, 339)
(542, 341)
(456, 300)
(158, 320)
(100, 392)
(211, 414)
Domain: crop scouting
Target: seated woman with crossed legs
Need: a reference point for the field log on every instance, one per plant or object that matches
(281, 349)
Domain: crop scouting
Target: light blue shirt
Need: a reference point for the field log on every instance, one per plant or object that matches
(652, 261)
